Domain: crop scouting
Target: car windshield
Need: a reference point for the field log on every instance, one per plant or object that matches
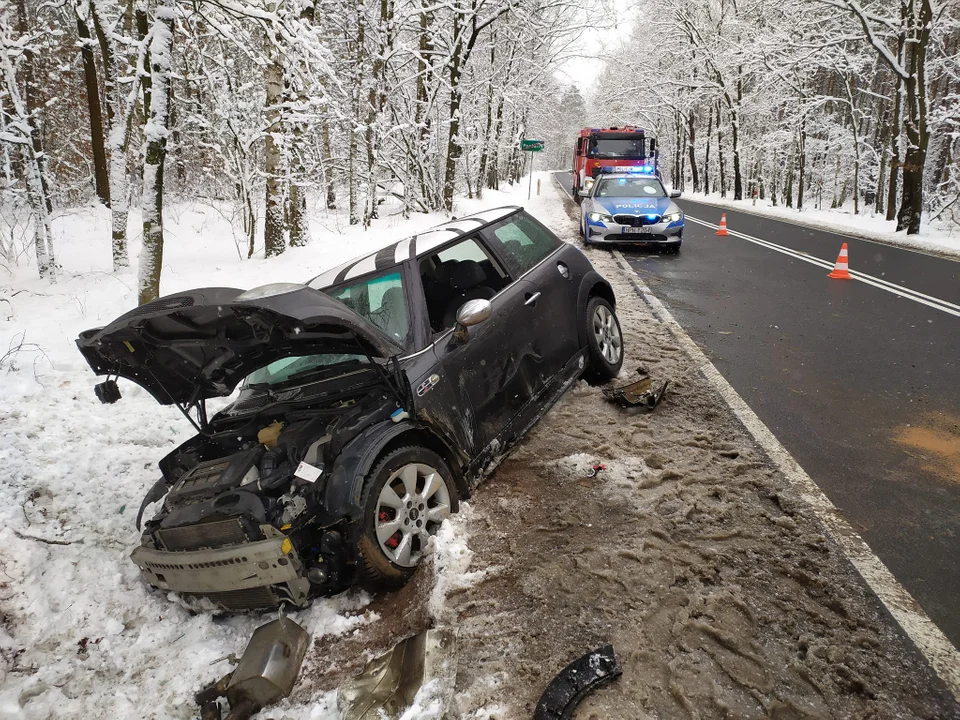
(299, 366)
(617, 148)
(642, 187)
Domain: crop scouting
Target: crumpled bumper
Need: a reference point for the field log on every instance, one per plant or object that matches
(250, 575)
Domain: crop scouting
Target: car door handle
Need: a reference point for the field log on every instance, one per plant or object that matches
(531, 299)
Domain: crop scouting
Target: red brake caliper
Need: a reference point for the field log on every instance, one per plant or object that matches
(393, 540)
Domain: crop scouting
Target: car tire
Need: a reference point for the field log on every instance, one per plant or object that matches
(581, 230)
(378, 566)
(675, 248)
(604, 341)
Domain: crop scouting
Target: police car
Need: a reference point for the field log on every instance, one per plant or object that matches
(630, 205)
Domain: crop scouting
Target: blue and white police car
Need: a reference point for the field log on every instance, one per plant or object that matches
(630, 205)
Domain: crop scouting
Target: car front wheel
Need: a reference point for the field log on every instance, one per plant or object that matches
(406, 497)
(604, 341)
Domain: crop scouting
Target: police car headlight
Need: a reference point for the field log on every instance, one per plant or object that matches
(600, 217)
(673, 217)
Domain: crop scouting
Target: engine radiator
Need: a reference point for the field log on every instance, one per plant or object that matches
(218, 534)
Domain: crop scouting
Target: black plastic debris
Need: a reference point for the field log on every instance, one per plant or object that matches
(580, 677)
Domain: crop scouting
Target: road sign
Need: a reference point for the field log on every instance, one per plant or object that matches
(531, 145)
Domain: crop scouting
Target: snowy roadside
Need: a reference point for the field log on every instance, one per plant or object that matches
(937, 240)
(80, 635)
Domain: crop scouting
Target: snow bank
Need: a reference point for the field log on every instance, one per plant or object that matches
(935, 237)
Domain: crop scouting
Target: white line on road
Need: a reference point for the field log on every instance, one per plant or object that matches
(904, 292)
(938, 650)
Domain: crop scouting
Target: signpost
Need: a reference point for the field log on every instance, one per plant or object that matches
(531, 146)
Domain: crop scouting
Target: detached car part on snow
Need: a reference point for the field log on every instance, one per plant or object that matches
(371, 400)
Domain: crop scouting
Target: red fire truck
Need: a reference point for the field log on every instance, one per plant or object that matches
(611, 147)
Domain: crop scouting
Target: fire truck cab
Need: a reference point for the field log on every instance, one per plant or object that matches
(610, 147)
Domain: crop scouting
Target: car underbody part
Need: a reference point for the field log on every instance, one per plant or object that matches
(638, 393)
(389, 683)
(265, 674)
(580, 677)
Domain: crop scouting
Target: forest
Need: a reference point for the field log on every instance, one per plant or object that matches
(274, 109)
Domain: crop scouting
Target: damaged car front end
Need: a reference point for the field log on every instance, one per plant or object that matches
(248, 516)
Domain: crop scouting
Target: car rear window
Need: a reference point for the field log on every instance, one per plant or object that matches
(523, 242)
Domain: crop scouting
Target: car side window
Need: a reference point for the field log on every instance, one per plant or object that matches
(454, 275)
(523, 241)
(381, 300)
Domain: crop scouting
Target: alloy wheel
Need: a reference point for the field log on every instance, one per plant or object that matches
(413, 502)
(607, 333)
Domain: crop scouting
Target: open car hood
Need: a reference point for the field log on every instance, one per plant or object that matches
(201, 343)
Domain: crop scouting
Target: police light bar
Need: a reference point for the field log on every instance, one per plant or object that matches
(636, 169)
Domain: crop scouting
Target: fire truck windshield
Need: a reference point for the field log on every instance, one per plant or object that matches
(601, 147)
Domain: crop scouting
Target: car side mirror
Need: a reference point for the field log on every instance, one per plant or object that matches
(583, 192)
(675, 193)
(472, 312)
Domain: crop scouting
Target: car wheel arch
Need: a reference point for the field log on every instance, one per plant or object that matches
(344, 487)
(592, 285)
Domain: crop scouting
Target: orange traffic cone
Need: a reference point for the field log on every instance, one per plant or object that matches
(723, 225)
(840, 271)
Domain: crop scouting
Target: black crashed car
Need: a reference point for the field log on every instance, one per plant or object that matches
(372, 400)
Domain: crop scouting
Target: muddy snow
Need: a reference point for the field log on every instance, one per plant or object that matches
(689, 553)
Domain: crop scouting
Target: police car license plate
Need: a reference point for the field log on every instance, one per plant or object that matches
(638, 230)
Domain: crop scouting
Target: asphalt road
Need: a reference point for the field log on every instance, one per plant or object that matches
(860, 384)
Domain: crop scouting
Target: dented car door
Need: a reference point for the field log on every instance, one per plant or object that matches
(492, 369)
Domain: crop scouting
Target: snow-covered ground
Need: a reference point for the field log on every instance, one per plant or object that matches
(688, 550)
(80, 635)
(936, 237)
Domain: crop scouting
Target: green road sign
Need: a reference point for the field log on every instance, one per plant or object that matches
(531, 145)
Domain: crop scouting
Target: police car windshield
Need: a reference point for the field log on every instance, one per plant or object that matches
(629, 187)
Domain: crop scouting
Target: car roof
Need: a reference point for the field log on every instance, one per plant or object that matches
(414, 246)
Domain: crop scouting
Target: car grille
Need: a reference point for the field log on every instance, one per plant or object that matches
(212, 535)
(636, 220)
(252, 599)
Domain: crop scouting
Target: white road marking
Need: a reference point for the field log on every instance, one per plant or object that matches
(904, 292)
(936, 648)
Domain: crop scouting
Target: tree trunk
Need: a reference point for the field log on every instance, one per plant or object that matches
(274, 242)
(101, 179)
(327, 170)
(120, 117)
(735, 138)
(299, 223)
(881, 175)
(31, 150)
(723, 169)
(33, 170)
(895, 141)
(155, 132)
(453, 136)
(911, 196)
(706, 158)
(692, 139)
(801, 163)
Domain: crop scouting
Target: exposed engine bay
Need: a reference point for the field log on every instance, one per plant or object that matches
(243, 522)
